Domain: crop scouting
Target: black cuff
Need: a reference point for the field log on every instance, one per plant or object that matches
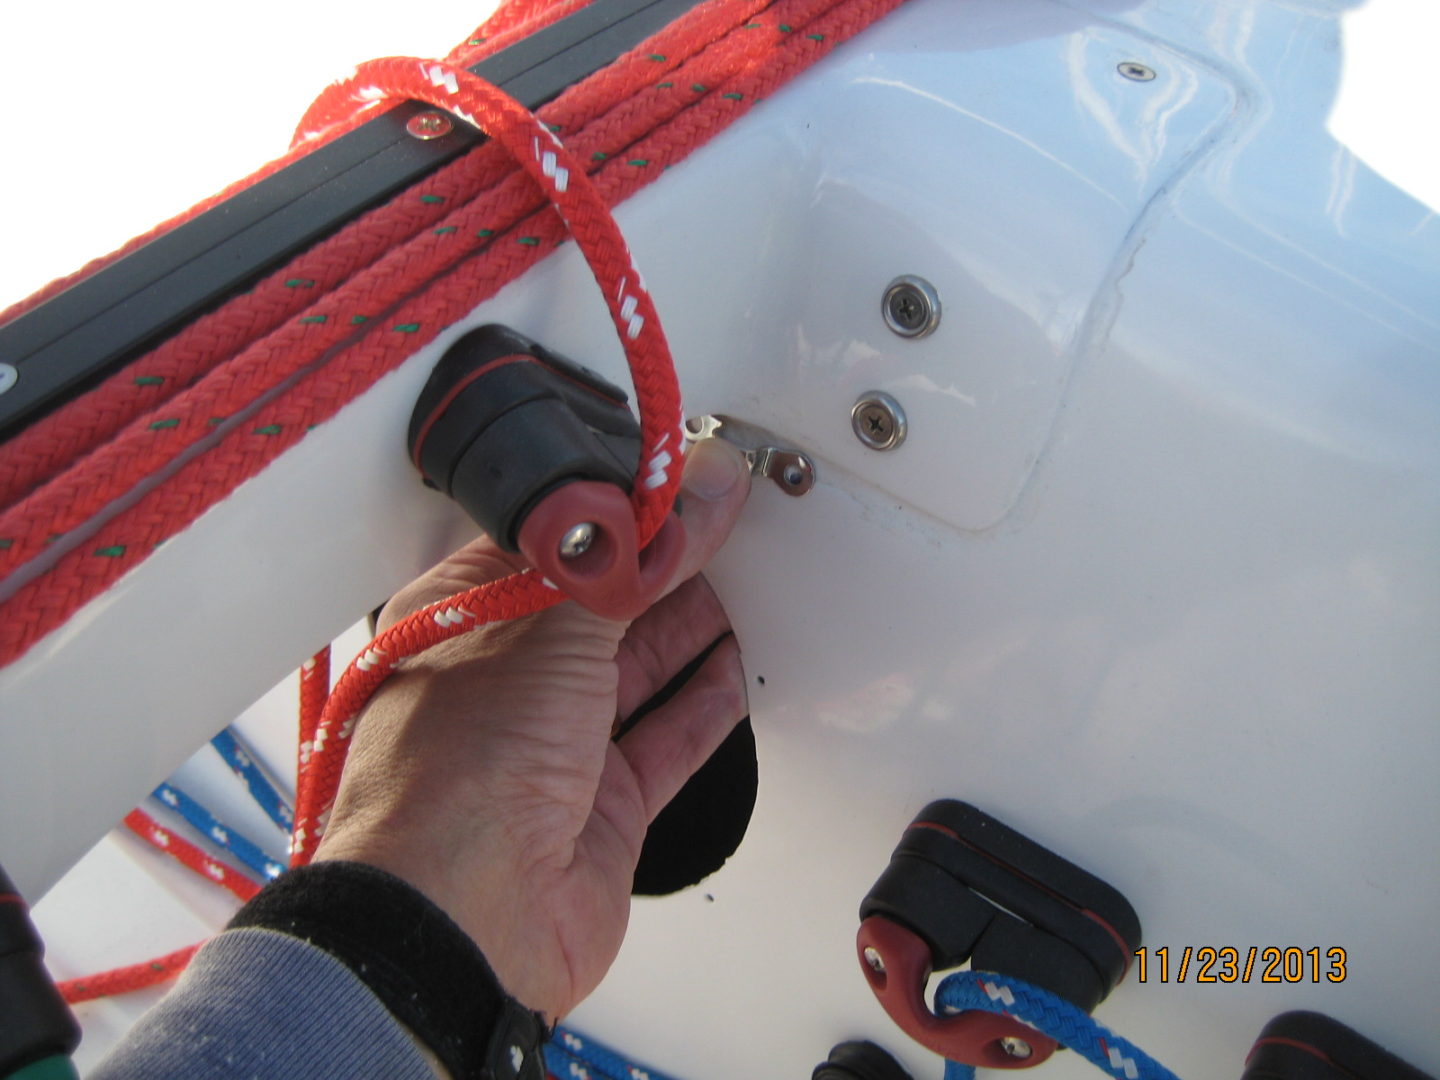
(423, 967)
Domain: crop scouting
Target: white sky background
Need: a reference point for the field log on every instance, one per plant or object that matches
(1389, 92)
(119, 115)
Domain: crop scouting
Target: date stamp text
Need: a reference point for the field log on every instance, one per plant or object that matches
(1229, 964)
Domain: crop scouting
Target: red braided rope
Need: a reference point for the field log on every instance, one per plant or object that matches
(509, 23)
(564, 181)
(46, 448)
(27, 530)
(436, 623)
(95, 265)
(122, 980)
(187, 854)
(314, 692)
(42, 451)
(45, 603)
(743, 76)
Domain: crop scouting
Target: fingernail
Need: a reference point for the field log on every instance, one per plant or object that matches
(712, 469)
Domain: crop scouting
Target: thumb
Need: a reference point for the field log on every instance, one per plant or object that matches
(713, 490)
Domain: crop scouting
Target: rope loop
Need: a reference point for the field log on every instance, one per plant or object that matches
(567, 185)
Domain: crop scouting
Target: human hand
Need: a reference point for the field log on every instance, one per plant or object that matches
(483, 772)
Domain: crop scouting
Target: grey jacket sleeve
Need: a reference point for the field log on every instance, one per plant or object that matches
(260, 1005)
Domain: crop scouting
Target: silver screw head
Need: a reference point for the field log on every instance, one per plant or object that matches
(1135, 71)
(1018, 1049)
(429, 125)
(878, 421)
(577, 540)
(9, 376)
(874, 959)
(911, 307)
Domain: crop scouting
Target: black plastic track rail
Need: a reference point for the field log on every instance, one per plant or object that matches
(97, 326)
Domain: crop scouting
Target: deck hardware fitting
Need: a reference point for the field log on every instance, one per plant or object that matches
(1136, 72)
(792, 471)
(875, 960)
(429, 125)
(911, 306)
(878, 420)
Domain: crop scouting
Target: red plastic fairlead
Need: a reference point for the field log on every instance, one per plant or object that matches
(609, 576)
(897, 965)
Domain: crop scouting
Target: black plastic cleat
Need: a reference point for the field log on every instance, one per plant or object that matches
(962, 887)
(1312, 1046)
(504, 421)
(859, 1061)
(35, 1023)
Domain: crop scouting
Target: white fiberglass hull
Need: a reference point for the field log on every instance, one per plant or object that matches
(1153, 578)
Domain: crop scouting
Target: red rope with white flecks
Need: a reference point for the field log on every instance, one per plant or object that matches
(715, 64)
(86, 527)
(136, 976)
(657, 393)
(322, 754)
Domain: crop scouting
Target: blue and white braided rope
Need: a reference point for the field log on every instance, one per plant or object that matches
(572, 1056)
(242, 763)
(218, 833)
(1067, 1024)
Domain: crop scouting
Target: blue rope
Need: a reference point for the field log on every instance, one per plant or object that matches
(218, 833)
(1067, 1024)
(571, 1056)
(242, 763)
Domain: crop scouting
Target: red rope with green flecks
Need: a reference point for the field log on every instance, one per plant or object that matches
(657, 393)
(346, 339)
(54, 443)
(714, 66)
(137, 976)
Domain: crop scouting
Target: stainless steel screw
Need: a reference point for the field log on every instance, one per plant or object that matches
(9, 376)
(1136, 72)
(577, 540)
(874, 959)
(911, 307)
(429, 125)
(1016, 1048)
(878, 421)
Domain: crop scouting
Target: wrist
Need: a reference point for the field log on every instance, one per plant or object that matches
(422, 966)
